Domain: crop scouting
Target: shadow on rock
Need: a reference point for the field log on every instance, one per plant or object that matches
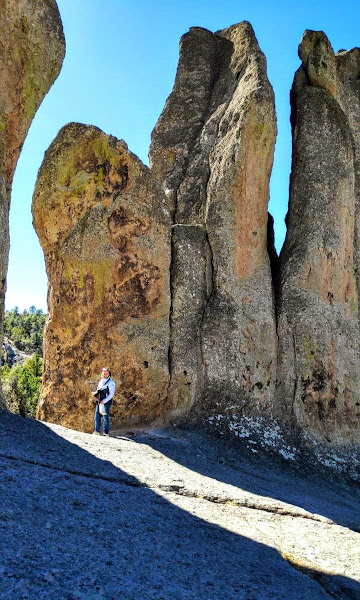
(330, 497)
(74, 526)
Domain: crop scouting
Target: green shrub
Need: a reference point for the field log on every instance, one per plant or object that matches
(21, 386)
(25, 329)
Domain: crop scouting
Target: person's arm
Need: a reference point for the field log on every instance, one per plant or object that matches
(111, 386)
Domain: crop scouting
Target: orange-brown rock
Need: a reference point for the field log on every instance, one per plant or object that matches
(32, 49)
(102, 221)
(212, 149)
(319, 350)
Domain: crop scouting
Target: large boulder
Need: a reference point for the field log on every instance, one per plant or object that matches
(32, 48)
(212, 150)
(319, 341)
(102, 221)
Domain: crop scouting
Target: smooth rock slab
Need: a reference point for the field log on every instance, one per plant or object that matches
(189, 519)
(105, 231)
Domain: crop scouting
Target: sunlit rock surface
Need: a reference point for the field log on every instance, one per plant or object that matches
(191, 517)
(170, 276)
(102, 221)
(212, 150)
(318, 370)
(32, 48)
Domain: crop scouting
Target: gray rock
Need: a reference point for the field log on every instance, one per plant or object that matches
(212, 149)
(318, 328)
(190, 518)
(13, 354)
(191, 286)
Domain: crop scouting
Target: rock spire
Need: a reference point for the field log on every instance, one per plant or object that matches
(32, 48)
(104, 227)
(212, 150)
(318, 369)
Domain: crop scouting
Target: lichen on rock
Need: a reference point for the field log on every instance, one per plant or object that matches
(32, 48)
(212, 150)
(318, 316)
(104, 227)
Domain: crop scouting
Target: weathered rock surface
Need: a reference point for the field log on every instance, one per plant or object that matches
(318, 370)
(169, 275)
(190, 518)
(102, 221)
(212, 150)
(32, 49)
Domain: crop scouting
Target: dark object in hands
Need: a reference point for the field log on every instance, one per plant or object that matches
(101, 394)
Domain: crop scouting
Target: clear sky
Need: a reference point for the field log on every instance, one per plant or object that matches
(119, 68)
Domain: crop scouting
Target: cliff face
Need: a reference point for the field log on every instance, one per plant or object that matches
(169, 275)
(318, 369)
(212, 150)
(103, 224)
(32, 48)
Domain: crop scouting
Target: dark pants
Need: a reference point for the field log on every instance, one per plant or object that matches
(98, 417)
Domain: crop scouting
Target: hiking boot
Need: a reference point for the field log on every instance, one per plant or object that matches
(96, 432)
(106, 434)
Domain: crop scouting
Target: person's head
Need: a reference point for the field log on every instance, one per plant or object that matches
(106, 372)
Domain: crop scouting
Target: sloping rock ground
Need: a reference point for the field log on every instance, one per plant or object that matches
(172, 514)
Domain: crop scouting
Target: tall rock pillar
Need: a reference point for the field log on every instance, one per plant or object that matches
(102, 221)
(32, 48)
(212, 150)
(318, 316)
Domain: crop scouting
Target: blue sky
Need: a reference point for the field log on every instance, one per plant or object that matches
(119, 69)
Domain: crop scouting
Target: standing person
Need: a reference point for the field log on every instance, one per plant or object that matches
(104, 394)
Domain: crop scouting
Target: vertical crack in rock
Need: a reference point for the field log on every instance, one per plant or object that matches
(211, 279)
(104, 226)
(32, 48)
(171, 311)
(212, 150)
(318, 315)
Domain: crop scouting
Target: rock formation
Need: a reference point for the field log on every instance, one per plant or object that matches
(212, 150)
(318, 314)
(170, 275)
(32, 49)
(103, 224)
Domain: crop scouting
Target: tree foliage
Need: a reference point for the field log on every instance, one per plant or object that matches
(21, 386)
(25, 329)
(21, 383)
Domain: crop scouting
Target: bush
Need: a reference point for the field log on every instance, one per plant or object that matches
(21, 386)
(25, 329)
